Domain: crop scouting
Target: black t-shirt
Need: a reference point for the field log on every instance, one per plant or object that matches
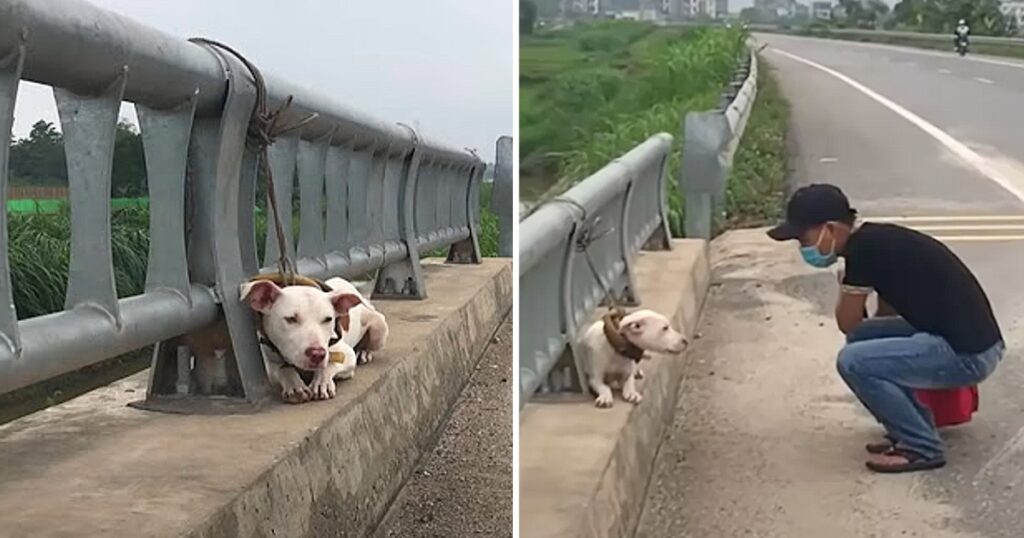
(924, 282)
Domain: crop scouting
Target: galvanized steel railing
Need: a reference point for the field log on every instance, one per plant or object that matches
(620, 209)
(374, 196)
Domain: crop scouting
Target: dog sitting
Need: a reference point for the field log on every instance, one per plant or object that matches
(313, 328)
(614, 347)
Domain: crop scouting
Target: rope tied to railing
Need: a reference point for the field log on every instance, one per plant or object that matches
(262, 132)
(586, 236)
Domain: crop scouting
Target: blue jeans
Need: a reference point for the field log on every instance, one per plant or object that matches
(886, 358)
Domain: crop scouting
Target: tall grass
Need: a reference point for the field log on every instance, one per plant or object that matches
(40, 248)
(611, 111)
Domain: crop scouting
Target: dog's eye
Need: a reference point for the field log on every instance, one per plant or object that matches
(327, 320)
(292, 320)
(664, 329)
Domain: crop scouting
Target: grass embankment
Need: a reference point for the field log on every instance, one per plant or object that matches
(756, 187)
(589, 94)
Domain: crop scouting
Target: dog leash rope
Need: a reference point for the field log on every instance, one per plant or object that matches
(263, 130)
(586, 237)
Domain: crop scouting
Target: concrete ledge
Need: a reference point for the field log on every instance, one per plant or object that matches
(584, 471)
(94, 467)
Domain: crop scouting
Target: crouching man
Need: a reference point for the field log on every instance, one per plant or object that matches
(946, 335)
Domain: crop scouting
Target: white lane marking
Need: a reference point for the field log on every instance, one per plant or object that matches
(828, 160)
(945, 71)
(983, 80)
(958, 148)
(1005, 452)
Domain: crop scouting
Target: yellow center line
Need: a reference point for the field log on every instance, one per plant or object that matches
(978, 238)
(951, 218)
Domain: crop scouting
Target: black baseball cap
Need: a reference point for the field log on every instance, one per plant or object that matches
(811, 206)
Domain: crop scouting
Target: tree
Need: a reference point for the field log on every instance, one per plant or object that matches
(39, 160)
(527, 16)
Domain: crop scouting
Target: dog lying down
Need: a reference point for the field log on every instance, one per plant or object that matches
(614, 347)
(320, 334)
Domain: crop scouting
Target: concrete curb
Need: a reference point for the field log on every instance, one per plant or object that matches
(583, 471)
(321, 469)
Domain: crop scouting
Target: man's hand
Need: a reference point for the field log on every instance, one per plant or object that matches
(850, 310)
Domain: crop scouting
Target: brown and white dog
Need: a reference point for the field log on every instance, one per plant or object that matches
(323, 329)
(614, 347)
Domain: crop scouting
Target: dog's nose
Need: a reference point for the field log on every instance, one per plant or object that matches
(316, 354)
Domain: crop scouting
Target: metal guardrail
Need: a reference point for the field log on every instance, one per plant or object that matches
(711, 141)
(374, 196)
(501, 196)
(622, 208)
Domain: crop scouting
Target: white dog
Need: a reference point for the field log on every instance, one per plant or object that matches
(308, 329)
(613, 349)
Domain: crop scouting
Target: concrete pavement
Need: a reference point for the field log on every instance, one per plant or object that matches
(767, 440)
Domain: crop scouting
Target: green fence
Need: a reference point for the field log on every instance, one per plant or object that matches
(55, 205)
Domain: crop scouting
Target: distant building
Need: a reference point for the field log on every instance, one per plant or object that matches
(577, 8)
(721, 9)
(1014, 9)
(821, 10)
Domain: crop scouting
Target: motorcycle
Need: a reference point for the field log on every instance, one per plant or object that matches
(961, 45)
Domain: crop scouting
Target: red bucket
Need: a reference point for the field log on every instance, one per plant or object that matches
(950, 406)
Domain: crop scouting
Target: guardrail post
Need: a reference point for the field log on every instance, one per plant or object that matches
(228, 359)
(703, 172)
(711, 139)
(404, 280)
(10, 77)
(501, 194)
(468, 250)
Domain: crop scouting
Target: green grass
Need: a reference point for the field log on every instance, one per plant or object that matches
(39, 249)
(636, 84)
(756, 186)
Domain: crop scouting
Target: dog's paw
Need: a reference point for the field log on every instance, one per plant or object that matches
(297, 394)
(604, 401)
(323, 388)
(364, 356)
(632, 397)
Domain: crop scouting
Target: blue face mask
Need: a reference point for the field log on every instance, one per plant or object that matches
(813, 256)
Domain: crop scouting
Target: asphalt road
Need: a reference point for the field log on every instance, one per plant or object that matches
(936, 142)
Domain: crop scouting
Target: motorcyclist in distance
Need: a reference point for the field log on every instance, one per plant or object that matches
(962, 31)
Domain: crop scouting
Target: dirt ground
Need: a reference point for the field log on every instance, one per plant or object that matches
(464, 486)
(767, 441)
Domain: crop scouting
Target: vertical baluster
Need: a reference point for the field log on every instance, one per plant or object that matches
(312, 168)
(10, 75)
(89, 123)
(445, 177)
(375, 205)
(393, 195)
(247, 211)
(358, 234)
(426, 201)
(336, 177)
(282, 165)
(165, 139)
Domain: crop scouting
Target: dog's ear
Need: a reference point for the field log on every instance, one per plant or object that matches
(343, 302)
(634, 328)
(261, 294)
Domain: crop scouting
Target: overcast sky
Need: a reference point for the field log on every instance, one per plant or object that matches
(445, 65)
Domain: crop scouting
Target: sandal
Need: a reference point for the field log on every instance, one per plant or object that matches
(914, 462)
(881, 447)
